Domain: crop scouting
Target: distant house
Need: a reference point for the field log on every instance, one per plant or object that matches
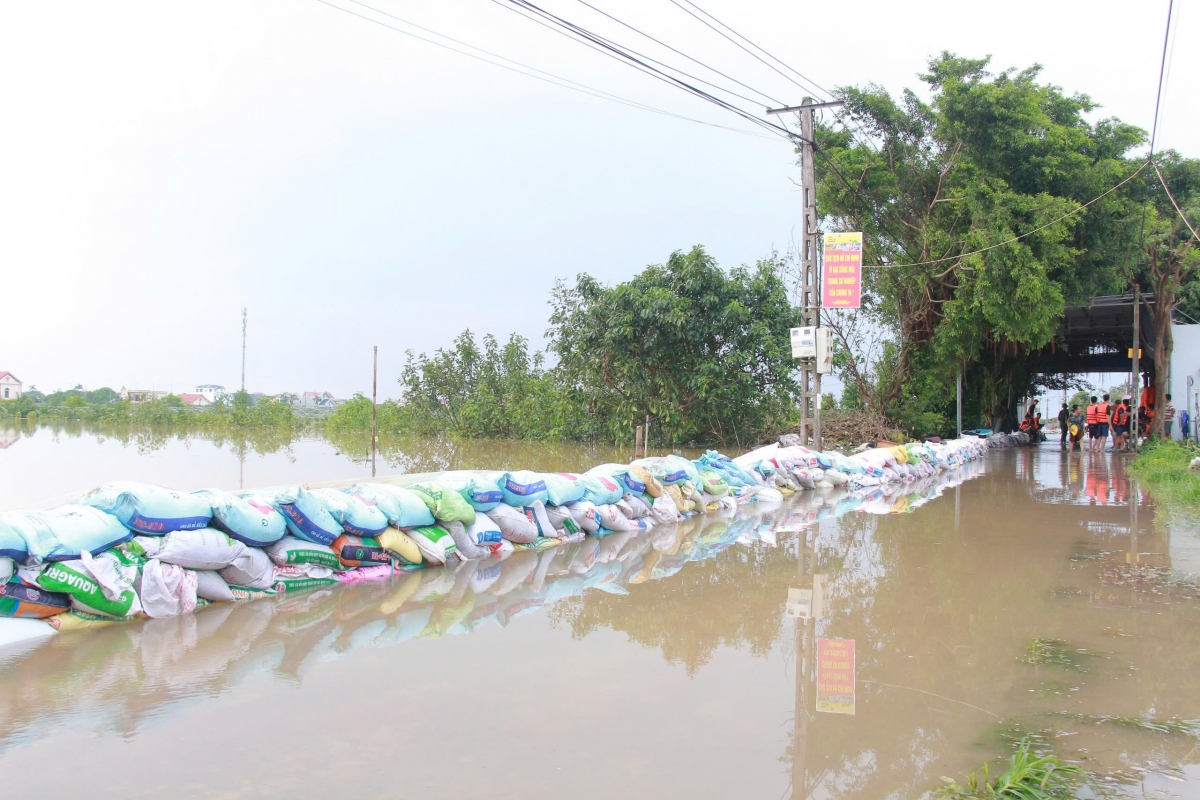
(211, 391)
(194, 400)
(142, 395)
(317, 400)
(10, 386)
(289, 399)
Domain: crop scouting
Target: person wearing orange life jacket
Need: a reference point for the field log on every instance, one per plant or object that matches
(1090, 419)
(1120, 425)
(1103, 416)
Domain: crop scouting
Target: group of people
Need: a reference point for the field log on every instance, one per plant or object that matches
(1103, 418)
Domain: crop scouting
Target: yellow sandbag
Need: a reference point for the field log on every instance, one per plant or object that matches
(900, 453)
(654, 487)
(676, 495)
(75, 620)
(405, 588)
(401, 545)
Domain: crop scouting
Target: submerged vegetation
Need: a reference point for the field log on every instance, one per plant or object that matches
(1162, 467)
(1055, 653)
(1029, 776)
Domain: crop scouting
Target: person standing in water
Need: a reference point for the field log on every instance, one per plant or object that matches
(1063, 416)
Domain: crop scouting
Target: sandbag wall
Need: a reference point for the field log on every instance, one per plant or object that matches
(126, 551)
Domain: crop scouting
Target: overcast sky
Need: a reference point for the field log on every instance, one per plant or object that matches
(163, 164)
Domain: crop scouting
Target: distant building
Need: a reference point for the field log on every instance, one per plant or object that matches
(289, 399)
(317, 400)
(10, 386)
(194, 400)
(142, 395)
(211, 391)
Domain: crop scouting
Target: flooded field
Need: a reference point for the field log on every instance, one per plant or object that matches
(838, 646)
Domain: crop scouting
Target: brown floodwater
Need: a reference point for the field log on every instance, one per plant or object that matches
(841, 645)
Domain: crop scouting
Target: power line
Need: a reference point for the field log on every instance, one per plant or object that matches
(550, 78)
(1017, 238)
(1167, 189)
(1162, 68)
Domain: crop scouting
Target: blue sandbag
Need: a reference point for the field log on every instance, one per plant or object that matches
(523, 488)
(402, 507)
(306, 516)
(601, 489)
(249, 519)
(12, 540)
(563, 488)
(150, 510)
(357, 515)
(619, 473)
(63, 533)
(482, 494)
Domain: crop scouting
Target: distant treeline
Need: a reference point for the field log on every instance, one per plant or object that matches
(104, 406)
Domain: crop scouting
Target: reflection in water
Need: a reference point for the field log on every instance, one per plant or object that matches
(943, 606)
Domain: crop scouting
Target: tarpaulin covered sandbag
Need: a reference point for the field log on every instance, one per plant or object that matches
(620, 474)
(668, 469)
(74, 578)
(354, 514)
(249, 519)
(402, 546)
(211, 586)
(168, 590)
(19, 599)
(480, 493)
(563, 488)
(62, 533)
(150, 509)
(360, 551)
(252, 569)
(306, 516)
(290, 551)
(513, 524)
(653, 487)
(202, 549)
(403, 508)
(446, 505)
(436, 543)
(523, 487)
(585, 516)
(466, 544)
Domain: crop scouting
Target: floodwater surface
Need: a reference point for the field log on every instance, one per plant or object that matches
(839, 645)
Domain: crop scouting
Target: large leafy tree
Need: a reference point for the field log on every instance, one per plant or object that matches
(704, 352)
(988, 158)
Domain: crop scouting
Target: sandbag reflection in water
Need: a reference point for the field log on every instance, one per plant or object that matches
(92, 673)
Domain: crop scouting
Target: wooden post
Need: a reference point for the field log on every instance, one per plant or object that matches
(637, 440)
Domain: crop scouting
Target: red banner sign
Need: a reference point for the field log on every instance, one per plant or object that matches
(835, 676)
(841, 280)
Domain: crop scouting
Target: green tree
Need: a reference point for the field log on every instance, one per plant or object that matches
(702, 351)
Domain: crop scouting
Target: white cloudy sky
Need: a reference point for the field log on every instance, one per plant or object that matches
(163, 164)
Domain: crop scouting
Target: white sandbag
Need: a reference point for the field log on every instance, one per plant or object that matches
(585, 515)
(513, 524)
(613, 518)
(558, 516)
(252, 569)
(435, 543)
(536, 513)
(167, 590)
(290, 551)
(665, 510)
(637, 505)
(624, 508)
(483, 532)
(503, 550)
(201, 549)
(211, 586)
(7, 568)
(466, 545)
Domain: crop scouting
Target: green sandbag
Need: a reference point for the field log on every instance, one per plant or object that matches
(713, 483)
(446, 505)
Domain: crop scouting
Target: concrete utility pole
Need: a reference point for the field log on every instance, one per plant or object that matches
(243, 350)
(374, 408)
(810, 275)
(1135, 391)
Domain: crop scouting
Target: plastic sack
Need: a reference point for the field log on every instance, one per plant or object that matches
(300, 578)
(202, 549)
(18, 599)
(480, 493)
(600, 489)
(403, 508)
(306, 516)
(353, 514)
(620, 474)
(7, 568)
(167, 590)
(638, 507)
(12, 540)
(290, 551)
(402, 546)
(446, 505)
(668, 470)
(563, 488)
(613, 519)
(436, 544)
(665, 510)
(212, 587)
(62, 533)
(251, 520)
(466, 544)
(485, 532)
(150, 509)
(713, 482)
(523, 487)
(109, 594)
(360, 551)
(513, 524)
(585, 516)
(251, 570)
(653, 487)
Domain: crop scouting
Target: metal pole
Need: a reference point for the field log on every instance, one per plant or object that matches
(1136, 392)
(374, 409)
(958, 401)
(243, 350)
